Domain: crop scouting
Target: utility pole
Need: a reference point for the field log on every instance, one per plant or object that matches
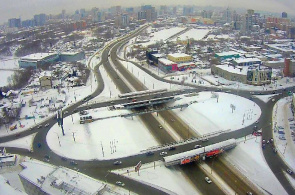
(102, 149)
(74, 136)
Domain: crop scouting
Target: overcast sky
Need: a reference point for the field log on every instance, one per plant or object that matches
(27, 8)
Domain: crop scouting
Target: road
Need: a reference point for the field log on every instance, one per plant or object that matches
(274, 161)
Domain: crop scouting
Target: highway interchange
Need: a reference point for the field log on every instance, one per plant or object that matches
(100, 169)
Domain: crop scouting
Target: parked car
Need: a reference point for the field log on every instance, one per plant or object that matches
(39, 126)
(290, 171)
(208, 180)
(47, 124)
(64, 158)
(249, 193)
(197, 146)
(160, 126)
(205, 140)
(117, 162)
(39, 145)
(31, 129)
(120, 183)
(163, 153)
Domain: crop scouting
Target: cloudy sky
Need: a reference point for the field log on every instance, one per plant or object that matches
(27, 8)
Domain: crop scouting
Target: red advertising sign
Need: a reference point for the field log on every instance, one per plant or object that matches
(185, 161)
(212, 153)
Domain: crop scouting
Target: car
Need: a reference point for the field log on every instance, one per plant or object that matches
(163, 153)
(31, 129)
(112, 102)
(133, 100)
(39, 126)
(249, 193)
(17, 135)
(73, 163)
(274, 150)
(150, 153)
(197, 146)
(120, 183)
(66, 112)
(172, 148)
(64, 158)
(263, 146)
(290, 171)
(39, 145)
(160, 126)
(205, 140)
(273, 99)
(208, 180)
(46, 158)
(47, 124)
(117, 162)
(256, 122)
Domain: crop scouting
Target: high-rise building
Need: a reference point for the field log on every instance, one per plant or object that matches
(63, 14)
(14, 23)
(148, 13)
(227, 15)
(130, 9)
(188, 11)
(284, 15)
(124, 20)
(28, 23)
(40, 19)
(115, 9)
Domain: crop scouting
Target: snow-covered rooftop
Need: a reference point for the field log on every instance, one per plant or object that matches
(6, 188)
(59, 180)
(246, 60)
(228, 53)
(238, 69)
(178, 55)
(37, 56)
(166, 61)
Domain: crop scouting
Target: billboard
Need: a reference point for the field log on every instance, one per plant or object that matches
(185, 161)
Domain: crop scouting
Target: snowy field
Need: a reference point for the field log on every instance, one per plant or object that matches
(162, 35)
(284, 142)
(247, 157)
(169, 179)
(9, 63)
(196, 34)
(24, 143)
(4, 75)
(102, 139)
(209, 117)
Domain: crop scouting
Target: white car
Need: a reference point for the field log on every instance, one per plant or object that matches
(163, 153)
(47, 124)
(120, 183)
(208, 180)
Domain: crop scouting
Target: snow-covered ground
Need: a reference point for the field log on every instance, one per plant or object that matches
(7, 64)
(102, 139)
(162, 35)
(207, 116)
(25, 142)
(284, 142)
(170, 179)
(247, 157)
(196, 34)
(119, 137)
(149, 81)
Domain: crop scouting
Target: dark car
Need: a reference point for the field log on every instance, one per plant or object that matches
(64, 158)
(172, 148)
(39, 145)
(73, 163)
(149, 153)
(117, 162)
(290, 171)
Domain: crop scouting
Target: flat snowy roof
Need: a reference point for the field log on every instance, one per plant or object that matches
(8, 189)
(237, 70)
(228, 53)
(52, 179)
(245, 60)
(166, 61)
(177, 55)
(37, 56)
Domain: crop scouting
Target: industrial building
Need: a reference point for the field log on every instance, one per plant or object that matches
(41, 178)
(38, 59)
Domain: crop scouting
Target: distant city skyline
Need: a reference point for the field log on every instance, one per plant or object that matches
(26, 9)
